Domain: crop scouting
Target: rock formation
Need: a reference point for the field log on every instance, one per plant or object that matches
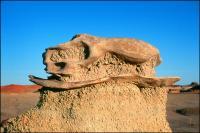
(99, 84)
(194, 87)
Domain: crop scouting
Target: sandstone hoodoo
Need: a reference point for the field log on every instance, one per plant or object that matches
(71, 63)
(99, 84)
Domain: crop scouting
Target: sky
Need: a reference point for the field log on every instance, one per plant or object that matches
(27, 28)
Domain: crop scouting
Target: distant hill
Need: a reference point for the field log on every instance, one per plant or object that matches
(13, 88)
(192, 88)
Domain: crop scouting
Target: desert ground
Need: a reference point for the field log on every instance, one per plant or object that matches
(186, 120)
(14, 104)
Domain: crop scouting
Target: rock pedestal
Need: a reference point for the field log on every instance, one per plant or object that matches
(105, 91)
(114, 106)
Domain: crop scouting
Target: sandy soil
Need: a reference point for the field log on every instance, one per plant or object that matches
(187, 122)
(14, 104)
(13, 88)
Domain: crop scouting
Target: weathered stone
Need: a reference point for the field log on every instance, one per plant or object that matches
(113, 106)
(89, 60)
(138, 80)
(84, 49)
(99, 84)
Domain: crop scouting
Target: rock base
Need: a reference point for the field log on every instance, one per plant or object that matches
(114, 106)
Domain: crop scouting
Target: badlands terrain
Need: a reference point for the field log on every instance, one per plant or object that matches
(182, 108)
(101, 84)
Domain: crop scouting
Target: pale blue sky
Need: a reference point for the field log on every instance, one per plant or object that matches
(27, 28)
